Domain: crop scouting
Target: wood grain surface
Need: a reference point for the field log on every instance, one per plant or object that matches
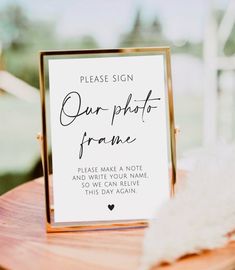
(24, 243)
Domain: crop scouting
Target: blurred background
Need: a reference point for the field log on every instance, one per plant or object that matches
(201, 35)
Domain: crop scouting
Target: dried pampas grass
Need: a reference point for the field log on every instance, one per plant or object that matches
(201, 215)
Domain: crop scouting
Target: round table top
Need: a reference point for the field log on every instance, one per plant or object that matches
(26, 245)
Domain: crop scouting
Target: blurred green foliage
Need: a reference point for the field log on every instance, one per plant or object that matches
(151, 34)
(22, 39)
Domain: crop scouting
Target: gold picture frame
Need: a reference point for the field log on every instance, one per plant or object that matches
(51, 226)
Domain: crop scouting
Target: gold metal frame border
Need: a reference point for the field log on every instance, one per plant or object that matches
(52, 227)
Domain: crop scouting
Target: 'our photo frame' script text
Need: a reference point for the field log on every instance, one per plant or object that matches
(142, 107)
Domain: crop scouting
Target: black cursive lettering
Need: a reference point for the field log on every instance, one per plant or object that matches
(74, 100)
(114, 140)
(146, 107)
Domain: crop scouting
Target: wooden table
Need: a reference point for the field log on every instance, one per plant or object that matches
(24, 243)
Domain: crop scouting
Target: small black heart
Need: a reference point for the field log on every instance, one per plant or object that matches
(111, 206)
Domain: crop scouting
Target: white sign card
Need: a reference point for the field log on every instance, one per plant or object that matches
(110, 137)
